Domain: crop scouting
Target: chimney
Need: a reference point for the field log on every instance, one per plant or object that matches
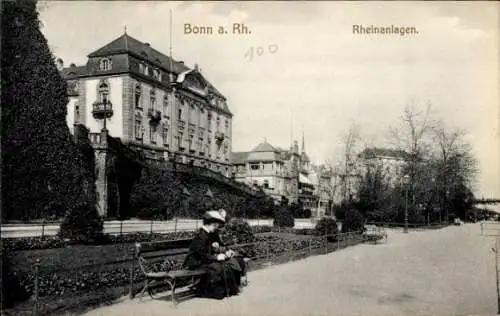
(59, 64)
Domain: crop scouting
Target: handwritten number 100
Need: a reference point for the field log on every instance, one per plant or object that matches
(260, 50)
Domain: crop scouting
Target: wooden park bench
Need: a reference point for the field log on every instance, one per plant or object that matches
(154, 263)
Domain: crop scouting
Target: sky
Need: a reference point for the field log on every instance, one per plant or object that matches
(302, 71)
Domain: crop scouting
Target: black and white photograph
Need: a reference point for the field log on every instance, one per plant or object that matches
(220, 158)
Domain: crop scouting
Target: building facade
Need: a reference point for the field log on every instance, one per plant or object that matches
(278, 172)
(152, 102)
(322, 179)
(390, 161)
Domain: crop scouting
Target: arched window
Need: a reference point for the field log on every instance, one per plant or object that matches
(105, 64)
(138, 96)
(103, 92)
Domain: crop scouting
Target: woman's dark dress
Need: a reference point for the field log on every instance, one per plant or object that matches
(222, 275)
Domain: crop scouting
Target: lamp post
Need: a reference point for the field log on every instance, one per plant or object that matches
(405, 183)
(447, 205)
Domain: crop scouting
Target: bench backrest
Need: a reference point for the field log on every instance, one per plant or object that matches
(153, 256)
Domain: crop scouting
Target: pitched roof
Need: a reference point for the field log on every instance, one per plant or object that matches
(72, 72)
(370, 153)
(263, 156)
(127, 44)
(238, 158)
(264, 147)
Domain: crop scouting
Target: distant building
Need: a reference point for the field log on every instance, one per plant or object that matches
(160, 105)
(390, 160)
(322, 179)
(279, 172)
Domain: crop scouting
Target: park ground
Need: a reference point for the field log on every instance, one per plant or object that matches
(450, 271)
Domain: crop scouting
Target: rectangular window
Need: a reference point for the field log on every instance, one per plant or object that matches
(165, 136)
(180, 146)
(266, 184)
(138, 129)
(190, 143)
(153, 103)
(77, 113)
(179, 114)
(255, 166)
(165, 106)
(152, 135)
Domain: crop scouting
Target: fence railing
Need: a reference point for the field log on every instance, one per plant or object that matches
(43, 229)
(265, 252)
(129, 226)
(413, 226)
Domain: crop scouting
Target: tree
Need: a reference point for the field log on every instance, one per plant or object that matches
(455, 169)
(346, 167)
(45, 171)
(439, 163)
(374, 194)
(353, 221)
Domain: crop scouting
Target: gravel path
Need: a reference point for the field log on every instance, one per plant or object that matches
(443, 272)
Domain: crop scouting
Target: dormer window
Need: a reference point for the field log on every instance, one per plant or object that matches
(156, 74)
(105, 64)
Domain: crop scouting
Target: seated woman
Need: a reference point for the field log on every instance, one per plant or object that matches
(224, 272)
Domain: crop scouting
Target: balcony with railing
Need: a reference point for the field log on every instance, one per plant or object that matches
(102, 109)
(219, 137)
(154, 116)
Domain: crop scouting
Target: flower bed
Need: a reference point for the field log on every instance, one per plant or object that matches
(107, 268)
(50, 242)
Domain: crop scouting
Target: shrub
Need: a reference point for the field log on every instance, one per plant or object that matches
(327, 226)
(237, 231)
(283, 217)
(353, 221)
(82, 224)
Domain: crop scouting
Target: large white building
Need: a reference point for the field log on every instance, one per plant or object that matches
(283, 173)
(151, 102)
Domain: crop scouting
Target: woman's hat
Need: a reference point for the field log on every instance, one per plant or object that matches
(216, 215)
